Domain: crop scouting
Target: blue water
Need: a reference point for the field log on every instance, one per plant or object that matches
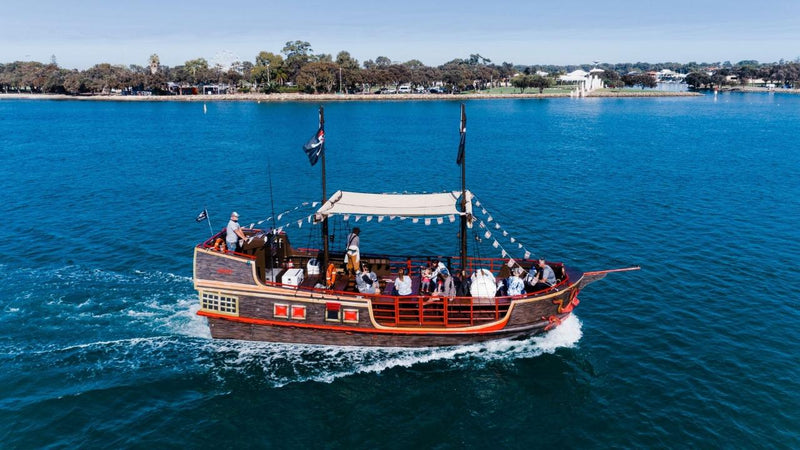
(100, 345)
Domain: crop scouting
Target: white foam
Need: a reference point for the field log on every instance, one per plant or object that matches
(291, 363)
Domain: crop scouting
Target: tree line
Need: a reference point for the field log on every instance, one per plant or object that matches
(297, 68)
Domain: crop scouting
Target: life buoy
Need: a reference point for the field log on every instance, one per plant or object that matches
(330, 275)
(219, 244)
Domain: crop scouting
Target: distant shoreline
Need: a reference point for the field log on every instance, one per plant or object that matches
(295, 97)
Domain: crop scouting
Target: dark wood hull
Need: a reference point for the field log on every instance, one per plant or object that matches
(229, 329)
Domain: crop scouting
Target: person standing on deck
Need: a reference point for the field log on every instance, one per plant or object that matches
(234, 232)
(352, 256)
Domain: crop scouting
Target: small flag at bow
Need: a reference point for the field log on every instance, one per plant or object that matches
(202, 216)
(315, 146)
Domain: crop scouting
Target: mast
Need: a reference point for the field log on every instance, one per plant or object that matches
(324, 264)
(463, 163)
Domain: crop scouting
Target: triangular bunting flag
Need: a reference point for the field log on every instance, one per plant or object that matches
(527, 255)
(380, 219)
(495, 244)
(415, 220)
(427, 221)
(487, 235)
(452, 218)
(369, 218)
(440, 220)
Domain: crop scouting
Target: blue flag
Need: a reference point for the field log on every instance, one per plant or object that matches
(315, 146)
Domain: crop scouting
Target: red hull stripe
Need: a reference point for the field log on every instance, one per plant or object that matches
(249, 320)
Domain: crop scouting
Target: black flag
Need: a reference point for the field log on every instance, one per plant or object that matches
(463, 129)
(315, 146)
(202, 216)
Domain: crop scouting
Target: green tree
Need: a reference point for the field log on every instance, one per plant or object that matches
(539, 82)
(317, 77)
(640, 79)
(698, 80)
(266, 68)
(197, 71)
(298, 54)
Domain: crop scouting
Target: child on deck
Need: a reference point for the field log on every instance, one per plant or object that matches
(425, 286)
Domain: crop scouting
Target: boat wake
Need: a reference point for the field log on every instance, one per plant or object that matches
(147, 322)
(280, 364)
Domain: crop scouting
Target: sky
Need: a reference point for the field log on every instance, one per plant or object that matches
(83, 33)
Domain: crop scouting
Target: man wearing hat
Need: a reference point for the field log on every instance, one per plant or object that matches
(233, 232)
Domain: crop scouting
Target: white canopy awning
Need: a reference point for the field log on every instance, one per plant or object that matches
(403, 205)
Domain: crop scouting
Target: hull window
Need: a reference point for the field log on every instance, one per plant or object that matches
(216, 302)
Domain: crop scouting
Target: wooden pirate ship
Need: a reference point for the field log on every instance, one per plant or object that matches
(268, 290)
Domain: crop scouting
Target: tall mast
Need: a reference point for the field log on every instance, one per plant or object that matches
(462, 161)
(324, 194)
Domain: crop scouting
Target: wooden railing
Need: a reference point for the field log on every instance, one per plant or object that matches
(425, 311)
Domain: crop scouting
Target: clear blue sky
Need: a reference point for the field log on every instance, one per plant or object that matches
(522, 32)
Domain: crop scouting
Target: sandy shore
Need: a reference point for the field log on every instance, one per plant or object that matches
(337, 97)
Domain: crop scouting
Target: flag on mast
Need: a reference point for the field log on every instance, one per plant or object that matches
(315, 146)
(202, 216)
(463, 129)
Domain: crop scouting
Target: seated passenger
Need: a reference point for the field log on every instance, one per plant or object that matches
(544, 278)
(402, 284)
(366, 280)
(482, 284)
(515, 284)
(463, 282)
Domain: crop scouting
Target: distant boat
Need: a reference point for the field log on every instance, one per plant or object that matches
(272, 291)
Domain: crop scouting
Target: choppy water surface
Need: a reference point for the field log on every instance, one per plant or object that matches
(100, 344)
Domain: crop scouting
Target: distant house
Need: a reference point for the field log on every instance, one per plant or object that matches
(216, 89)
(182, 89)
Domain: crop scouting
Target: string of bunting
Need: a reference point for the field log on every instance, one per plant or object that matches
(288, 211)
(491, 224)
